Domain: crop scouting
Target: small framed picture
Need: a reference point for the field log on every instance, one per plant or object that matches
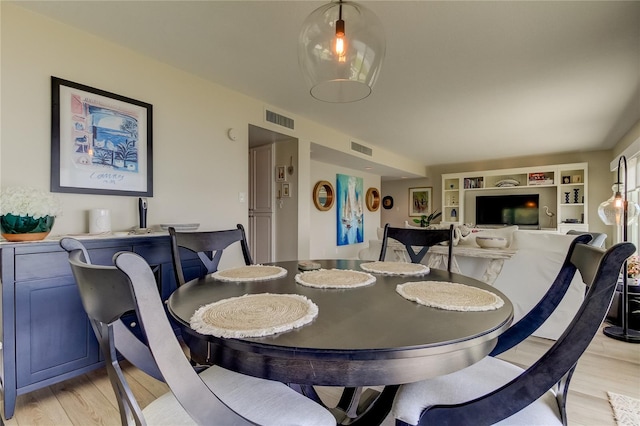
(286, 191)
(576, 179)
(566, 179)
(420, 201)
(281, 175)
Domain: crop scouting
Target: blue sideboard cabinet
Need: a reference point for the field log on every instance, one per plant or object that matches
(46, 336)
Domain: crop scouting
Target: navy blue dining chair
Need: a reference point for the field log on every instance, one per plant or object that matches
(424, 239)
(494, 390)
(213, 396)
(208, 245)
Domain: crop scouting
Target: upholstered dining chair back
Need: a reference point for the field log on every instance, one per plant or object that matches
(209, 245)
(494, 390)
(528, 324)
(108, 292)
(597, 238)
(423, 239)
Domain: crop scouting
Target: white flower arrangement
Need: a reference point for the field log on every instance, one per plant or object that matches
(633, 266)
(26, 201)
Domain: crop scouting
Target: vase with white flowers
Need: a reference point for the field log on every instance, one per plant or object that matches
(27, 214)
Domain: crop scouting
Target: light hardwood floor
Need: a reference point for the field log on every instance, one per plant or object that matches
(608, 365)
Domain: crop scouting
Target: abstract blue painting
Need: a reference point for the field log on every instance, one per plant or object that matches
(350, 220)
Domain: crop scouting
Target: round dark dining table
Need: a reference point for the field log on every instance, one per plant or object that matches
(364, 336)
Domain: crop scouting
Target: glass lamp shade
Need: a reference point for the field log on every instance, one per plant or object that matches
(611, 211)
(341, 70)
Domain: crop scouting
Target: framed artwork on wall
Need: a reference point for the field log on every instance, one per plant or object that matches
(420, 201)
(101, 142)
(281, 175)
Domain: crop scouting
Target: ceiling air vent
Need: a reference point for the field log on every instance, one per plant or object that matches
(361, 149)
(279, 119)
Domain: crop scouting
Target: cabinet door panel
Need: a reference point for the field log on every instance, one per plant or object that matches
(261, 241)
(260, 187)
(156, 253)
(53, 334)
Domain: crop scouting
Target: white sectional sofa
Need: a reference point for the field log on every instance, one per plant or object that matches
(525, 277)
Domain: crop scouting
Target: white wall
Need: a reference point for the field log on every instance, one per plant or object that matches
(323, 238)
(198, 171)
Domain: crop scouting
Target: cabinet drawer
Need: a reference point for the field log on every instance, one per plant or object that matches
(35, 266)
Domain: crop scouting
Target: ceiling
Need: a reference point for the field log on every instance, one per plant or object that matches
(462, 81)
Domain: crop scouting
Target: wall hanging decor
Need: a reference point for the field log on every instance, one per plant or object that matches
(387, 202)
(373, 199)
(350, 223)
(101, 143)
(323, 195)
(419, 201)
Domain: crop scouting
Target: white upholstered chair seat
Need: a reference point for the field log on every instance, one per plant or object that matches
(263, 402)
(464, 385)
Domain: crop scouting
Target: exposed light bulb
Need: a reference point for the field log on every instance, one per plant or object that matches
(340, 39)
(340, 46)
(618, 201)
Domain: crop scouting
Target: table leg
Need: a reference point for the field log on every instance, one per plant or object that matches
(357, 406)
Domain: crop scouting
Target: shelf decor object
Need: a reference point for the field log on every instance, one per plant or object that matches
(336, 39)
(618, 211)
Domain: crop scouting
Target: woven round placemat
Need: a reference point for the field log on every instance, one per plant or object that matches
(450, 296)
(250, 273)
(395, 268)
(254, 315)
(335, 278)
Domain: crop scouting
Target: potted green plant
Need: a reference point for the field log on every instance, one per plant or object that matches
(425, 220)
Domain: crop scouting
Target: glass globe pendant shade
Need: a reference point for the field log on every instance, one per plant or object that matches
(340, 51)
(611, 212)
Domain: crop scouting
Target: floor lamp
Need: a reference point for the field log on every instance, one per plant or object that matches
(618, 211)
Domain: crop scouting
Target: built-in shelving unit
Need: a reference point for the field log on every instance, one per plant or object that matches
(564, 187)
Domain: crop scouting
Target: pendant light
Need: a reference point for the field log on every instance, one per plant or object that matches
(340, 50)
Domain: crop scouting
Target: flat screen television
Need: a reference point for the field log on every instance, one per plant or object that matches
(521, 209)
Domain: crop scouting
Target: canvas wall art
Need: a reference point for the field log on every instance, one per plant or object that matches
(350, 212)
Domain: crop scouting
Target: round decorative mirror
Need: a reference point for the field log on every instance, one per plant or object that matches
(387, 202)
(373, 199)
(323, 195)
